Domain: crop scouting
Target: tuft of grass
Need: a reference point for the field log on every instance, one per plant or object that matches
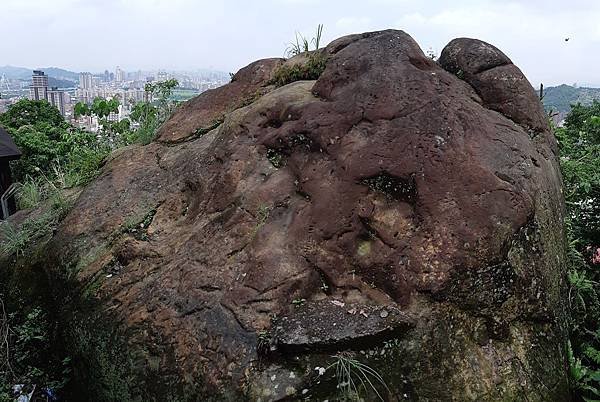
(30, 193)
(311, 70)
(302, 44)
(14, 240)
(353, 377)
(145, 133)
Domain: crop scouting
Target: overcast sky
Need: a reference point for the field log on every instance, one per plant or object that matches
(95, 35)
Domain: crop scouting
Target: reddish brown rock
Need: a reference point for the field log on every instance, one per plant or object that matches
(206, 111)
(501, 85)
(386, 185)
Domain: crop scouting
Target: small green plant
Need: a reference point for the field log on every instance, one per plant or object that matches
(14, 241)
(353, 377)
(263, 343)
(261, 218)
(275, 157)
(200, 131)
(298, 302)
(302, 44)
(137, 226)
(579, 286)
(584, 379)
(310, 70)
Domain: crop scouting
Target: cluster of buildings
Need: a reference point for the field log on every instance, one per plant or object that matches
(127, 87)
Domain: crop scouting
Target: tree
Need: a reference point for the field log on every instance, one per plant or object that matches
(151, 114)
(30, 112)
(49, 143)
(101, 108)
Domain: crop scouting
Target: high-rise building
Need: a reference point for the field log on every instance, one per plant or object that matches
(119, 75)
(38, 90)
(57, 98)
(85, 81)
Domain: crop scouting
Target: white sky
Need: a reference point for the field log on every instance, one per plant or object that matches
(94, 35)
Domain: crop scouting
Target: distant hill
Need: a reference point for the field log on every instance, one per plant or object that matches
(57, 77)
(15, 73)
(22, 73)
(560, 98)
(60, 73)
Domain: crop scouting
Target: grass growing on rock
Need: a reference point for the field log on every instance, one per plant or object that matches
(354, 378)
(310, 70)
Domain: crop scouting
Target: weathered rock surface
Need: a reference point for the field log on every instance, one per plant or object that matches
(208, 110)
(419, 211)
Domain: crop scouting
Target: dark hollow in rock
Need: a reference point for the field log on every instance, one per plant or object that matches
(398, 188)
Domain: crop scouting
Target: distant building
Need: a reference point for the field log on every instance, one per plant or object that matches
(119, 75)
(162, 76)
(86, 80)
(57, 98)
(38, 90)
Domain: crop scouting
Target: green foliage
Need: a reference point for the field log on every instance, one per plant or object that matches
(31, 113)
(15, 240)
(560, 98)
(25, 355)
(50, 144)
(579, 143)
(150, 115)
(100, 107)
(301, 44)
(29, 194)
(585, 379)
(310, 70)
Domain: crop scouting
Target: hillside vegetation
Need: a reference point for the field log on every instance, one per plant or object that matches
(560, 98)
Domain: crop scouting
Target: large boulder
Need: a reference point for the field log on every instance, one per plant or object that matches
(391, 229)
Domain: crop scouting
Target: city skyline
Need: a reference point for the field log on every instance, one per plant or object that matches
(89, 35)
